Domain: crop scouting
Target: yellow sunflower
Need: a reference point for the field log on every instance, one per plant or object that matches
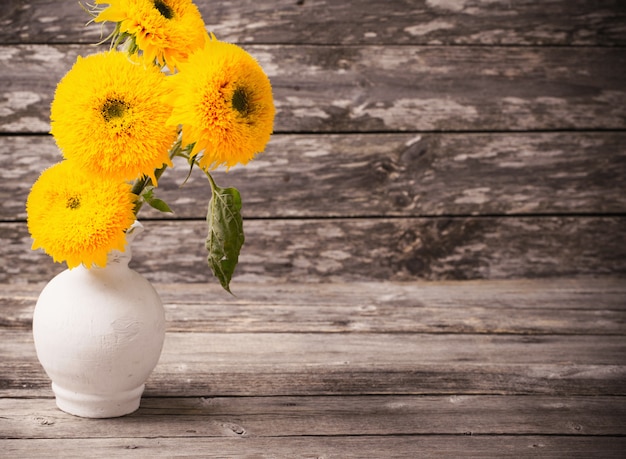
(166, 31)
(78, 218)
(223, 100)
(107, 114)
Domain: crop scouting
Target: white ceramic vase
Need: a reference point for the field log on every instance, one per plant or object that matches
(98, 335)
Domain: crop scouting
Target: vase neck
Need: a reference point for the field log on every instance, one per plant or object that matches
(115, 257)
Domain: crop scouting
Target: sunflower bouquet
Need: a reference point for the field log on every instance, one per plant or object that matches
(166, 88)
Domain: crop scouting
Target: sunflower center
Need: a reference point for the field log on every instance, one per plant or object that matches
(164, 9)
(73, 202)
(113, 108)
(241, 101)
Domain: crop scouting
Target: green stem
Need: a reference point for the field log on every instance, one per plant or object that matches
(211, 181)
(141, 183)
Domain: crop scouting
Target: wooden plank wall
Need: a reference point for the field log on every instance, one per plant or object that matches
(414, 139)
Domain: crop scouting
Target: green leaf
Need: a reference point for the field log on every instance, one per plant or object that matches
(225, 236)
(159, 205)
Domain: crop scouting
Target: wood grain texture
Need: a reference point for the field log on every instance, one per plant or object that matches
(340, 447)
(363, 249)
(542, 306)
(367, 175)
(477, 22)
(383, 88)
(254, 417)
(234, 392)
(279, 364)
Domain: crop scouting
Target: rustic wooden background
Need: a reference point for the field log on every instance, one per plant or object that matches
(436, 140)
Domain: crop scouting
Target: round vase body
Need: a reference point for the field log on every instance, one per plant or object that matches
(98, 335)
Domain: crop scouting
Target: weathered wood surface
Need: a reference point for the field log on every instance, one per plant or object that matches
(477, 22)
(276, 364)
(384, 88)
(340, 447)
(356, 140)
(250, 417)
(274, 339)
(367, 175)
(547, 306)
(260, 375)
(327, 250)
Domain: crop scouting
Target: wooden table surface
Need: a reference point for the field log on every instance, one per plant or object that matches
(529, 368)
(435, 257)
